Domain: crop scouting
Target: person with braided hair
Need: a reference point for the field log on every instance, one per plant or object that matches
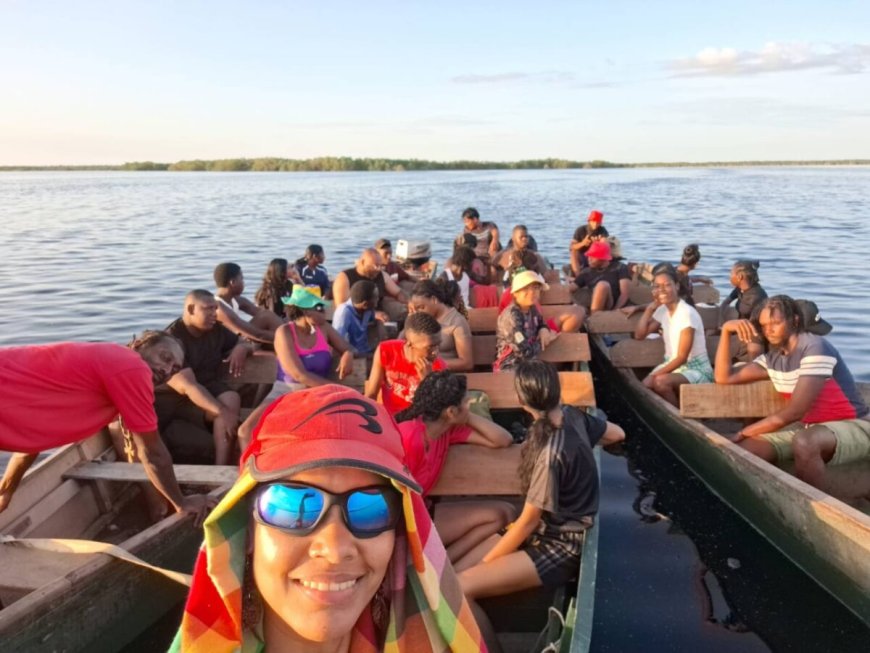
(398, 366)
(437, 418)
(436, 299)
(559, 477)
(61, 393)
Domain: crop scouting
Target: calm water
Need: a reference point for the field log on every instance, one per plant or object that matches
(103, 255)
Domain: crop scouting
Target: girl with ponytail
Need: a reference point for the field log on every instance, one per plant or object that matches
(560, 480)
(437, 418)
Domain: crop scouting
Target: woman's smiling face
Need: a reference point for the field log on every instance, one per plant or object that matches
(315, 587)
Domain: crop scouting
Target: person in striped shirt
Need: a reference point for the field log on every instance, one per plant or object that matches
(825, 421)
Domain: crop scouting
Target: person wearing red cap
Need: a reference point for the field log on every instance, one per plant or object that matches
(607, 279)
(324, 543)
(584, 236)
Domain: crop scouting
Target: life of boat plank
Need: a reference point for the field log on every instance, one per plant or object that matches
(577, 388)
(567, 348)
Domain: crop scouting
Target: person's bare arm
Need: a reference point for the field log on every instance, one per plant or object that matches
(340, 289)
(393, 289)
(234, 323)
(157, 462)
(487, 433)
(185, 383)
(624, 286)
(493, 244)
(248, 306)
(18, 464)
(723, 371)
(805, 393)
(376, 376)
(647, 325)
(464, 361)
(339, 344)
(519, 531)
(290, 361)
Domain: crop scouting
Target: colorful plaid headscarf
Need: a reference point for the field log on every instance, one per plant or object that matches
(427, 610)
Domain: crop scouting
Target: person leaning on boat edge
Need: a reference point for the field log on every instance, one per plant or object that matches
(825, 419)
(62, 393)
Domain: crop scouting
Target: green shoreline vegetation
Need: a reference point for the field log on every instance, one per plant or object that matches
(349, 164)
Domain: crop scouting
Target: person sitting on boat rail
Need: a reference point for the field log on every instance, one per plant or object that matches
(583, 238)
(399, 365)
(62, 393)
(304, 349)
(485, 233)
(608, 280)
(825, 420)
(324, 544)
(438, 418)
(686, 359)
(392, 301)
(206, 344)
(521, 331)
(559, 478)
(239, 314)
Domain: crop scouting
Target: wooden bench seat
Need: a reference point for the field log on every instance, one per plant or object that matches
(711, 400)
(617, 322)
(556, 294)
(484, 320)
(577, 388)
(648, 353)
(567, 348)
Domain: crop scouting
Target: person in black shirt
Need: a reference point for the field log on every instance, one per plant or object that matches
(583, 238)
(608, 280)
(747, 290)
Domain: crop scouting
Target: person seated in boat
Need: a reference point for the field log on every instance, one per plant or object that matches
(591, 232)
(688, 262)
(415, 258)
(682, 329)
(570, 317)
(304, 349)
(486, 235)
(825, 420)
(62, 393)
(458, 269)
(311, 271)
(438, 418)
(519, 245)
(355, 319)
(392, 301)
(747, 289)
(398, 366)
(395, 271)
(277, 284)
(608, 280)
(559, 478)
(239, 314)
(182, 417)
(521, 331)
(324, 544)
(435, 298)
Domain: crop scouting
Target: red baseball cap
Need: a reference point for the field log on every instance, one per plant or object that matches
(595, 216)
(600, 250)
(327, 426)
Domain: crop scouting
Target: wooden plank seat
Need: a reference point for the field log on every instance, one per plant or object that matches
(461, 474)
(577, 388)
(617, 322)
(484, 320)
(649, 352)
(567, 348)
(557, 293)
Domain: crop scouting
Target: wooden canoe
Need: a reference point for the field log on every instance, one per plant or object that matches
(826, 538)
(53, 600)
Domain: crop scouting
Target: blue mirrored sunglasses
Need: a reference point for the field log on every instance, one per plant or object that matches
(297, 509)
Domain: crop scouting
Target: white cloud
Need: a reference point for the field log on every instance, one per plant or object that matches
(774, 57)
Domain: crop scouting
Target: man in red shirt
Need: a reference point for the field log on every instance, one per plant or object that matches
(399, 365)
(61, 393)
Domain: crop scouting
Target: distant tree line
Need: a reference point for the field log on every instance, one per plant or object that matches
(350, 164)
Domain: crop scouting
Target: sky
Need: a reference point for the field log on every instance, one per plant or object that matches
(110, 82)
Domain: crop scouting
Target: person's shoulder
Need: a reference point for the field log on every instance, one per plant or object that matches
(810, 344)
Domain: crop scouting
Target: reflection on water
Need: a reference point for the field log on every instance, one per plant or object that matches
(95, 255)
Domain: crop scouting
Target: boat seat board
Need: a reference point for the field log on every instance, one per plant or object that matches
(618, 322)
(567, 348)
(577, 388)
(460, 476)
(484, 320)
(557, 293)
(648, 352)
(641, 293)
(262, 369)
(711, 400)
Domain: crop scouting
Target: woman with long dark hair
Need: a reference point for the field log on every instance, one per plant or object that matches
(277, 284)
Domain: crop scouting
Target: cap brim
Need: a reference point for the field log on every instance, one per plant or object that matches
(281, 462)
(821, 328)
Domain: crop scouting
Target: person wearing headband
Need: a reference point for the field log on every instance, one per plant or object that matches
(324, 543)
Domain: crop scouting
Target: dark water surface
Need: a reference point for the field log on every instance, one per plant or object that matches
(99, 256)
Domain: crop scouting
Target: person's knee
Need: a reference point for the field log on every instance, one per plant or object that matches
(230, 399)
(662, 384)
(759, 447)
(613, 434)
(812, 444)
